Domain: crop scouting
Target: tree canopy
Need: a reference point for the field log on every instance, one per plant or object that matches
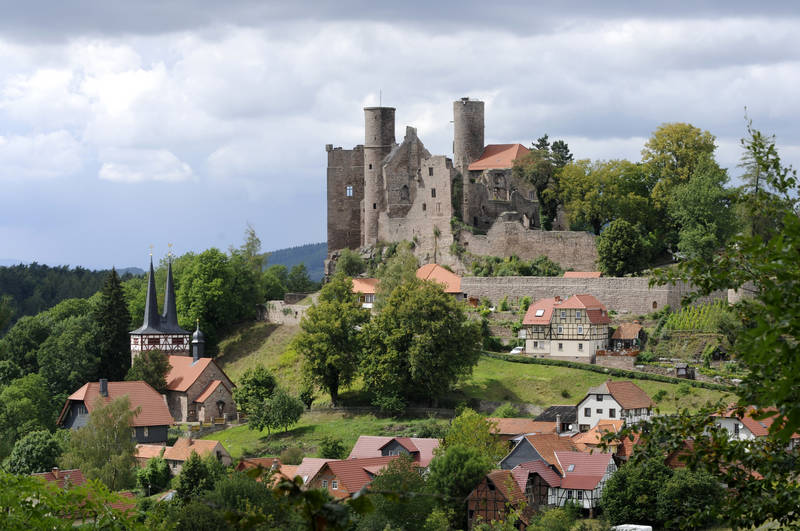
(151, 366)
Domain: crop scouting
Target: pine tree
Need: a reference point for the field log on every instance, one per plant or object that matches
(112, 318)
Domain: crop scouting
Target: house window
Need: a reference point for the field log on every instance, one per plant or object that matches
(560, 329)
(430, 171)
(153, 341)
(587, 412)
(580, 347)
(580, 329)
(334, 484)
(563, 314)
(569, 494)
(539, 312)
(146, 431)
(490, 485)
(599, 398)
(578, 315)
(349, 191)
(580, 494)
(177, 341)
(433, 192)
(612, 413)
(535, 344)
(561, 346)
(531, 195)
(655, 305)
(736, 429)
(133, 432)
(324, 483)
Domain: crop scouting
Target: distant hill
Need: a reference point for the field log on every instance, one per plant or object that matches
(311, 254)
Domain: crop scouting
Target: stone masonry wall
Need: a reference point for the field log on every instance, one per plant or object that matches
(572, 250)
(345, 169)
(279, 312)
(622, 294)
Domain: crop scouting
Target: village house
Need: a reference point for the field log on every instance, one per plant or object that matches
(419, 449)
(541, 447)
(67, 479)
(271, 466)
(535, 479)
(508, 428)
(565, 417)
(584, 476)
(592, 440)
(179, 453)
(343, 478)
(628, 336)
(613, 400)
(150, 425)
(572, 329)
(63, 478)
(366, 289)
(495, 496)
(741, 426)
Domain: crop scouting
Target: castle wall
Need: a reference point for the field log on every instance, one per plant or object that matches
(622, 294)
(575, 250)
(345, 188)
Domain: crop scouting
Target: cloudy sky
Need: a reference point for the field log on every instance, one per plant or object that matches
(125, 124)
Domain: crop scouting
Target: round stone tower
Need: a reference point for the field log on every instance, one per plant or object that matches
(467, 132)
(378, 142)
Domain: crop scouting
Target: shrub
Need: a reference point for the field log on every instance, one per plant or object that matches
(524, 304)
(292, 456)
(505, 411)
(390, 405)
(332, 448)
(660, 395)
(645, 356)
(565, 393)
(504, 304)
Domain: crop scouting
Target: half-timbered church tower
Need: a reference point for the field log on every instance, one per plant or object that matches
(160, 332)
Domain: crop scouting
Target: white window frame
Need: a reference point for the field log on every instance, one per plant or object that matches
(324, 483)
(563, 314)
(577, 315)
(580, 330)
(334, 485)
(146, 431)
(560, 330)
(348, 191)
(580, 347)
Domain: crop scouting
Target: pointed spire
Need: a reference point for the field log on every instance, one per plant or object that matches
(169, 319)
(151, 317)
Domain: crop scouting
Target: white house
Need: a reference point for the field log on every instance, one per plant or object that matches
(613, 400)
(573, 329)
(745, 427)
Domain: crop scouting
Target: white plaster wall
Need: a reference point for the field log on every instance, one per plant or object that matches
(605, 405)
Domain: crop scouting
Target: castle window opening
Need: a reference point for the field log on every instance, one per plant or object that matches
(439, 208)
(424, 207)
(404, 193)
(531, 195)
(655, 305)
(430, 171)
(433, 192)
(370, 166)
(374, 206)
(349, 191)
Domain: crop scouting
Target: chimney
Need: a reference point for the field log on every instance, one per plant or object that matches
(104, 387)
(558, 423)
(275, 464)
(558, 298)
(55, 472)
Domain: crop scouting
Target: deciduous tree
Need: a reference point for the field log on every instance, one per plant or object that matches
(453, 474)
(472, 430)
(151, 366)
(620, 249)
(398, 269)
(256, 385)
(279, 411)
(37, 451)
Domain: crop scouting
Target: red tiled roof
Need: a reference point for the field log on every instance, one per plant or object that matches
(629, 395)
(124, 504)
(149, 451)
(627, 331)
(355, 473)
(436, 273)
(520, 426)
(498, 156)
(371, 445)
(367, 286)
(759, 428)
(582, 274)
(547, 444)
(507, 485)
(267, 463)
(210, 390)
(154, 410)
(405, 442)
(594, 435)
(595, 310)
(626, 448)
(540, 467)
(310, 467)
(184, 372)
(183, 448)
(582, 471)
(73, 477)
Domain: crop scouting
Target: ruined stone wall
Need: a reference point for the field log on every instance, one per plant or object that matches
(279, 312)
(345, 169)
(572, 250)
(622, 294)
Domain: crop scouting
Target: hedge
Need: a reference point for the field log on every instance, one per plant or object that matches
(623, 373)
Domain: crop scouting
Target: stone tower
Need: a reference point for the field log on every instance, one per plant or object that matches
(378, 142)
(467, 145)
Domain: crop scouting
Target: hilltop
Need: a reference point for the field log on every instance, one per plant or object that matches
(311, 254)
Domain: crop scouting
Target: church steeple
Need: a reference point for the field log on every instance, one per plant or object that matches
(169, 319)
(152, 320)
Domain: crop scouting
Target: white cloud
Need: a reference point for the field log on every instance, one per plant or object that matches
(140, 165)
(39, 156)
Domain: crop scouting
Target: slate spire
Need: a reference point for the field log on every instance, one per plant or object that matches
(169, 320)
(151, 318)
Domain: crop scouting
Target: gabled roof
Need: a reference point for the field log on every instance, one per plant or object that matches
(154, 411)
(184, 447)
(310, 467)
(759, 428)
(547, 444)
(367, 286)
(520, 426)
(355, 473)
(627, 331)
(582, 274)
(594, 436)
(210, 390)
(184, 372)
(506, 483)
(582, 471)
(568, 414)
(539, 467)
(498, 157)
(149, 451)
(436, 273)
(541, 311)
(626, 393)
(371, 445)
(73, 477)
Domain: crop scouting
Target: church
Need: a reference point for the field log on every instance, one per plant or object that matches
(198, 390)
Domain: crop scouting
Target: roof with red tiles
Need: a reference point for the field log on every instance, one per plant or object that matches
(547, 444)
(626, 393)
(367, 286)
(594, 436)
(498, 156)
(371, 445)
(506, 483)
(539, 467)
(355, 473)
(210, 390)
(627, 331)
(436, 273)
(582, 471)
(541, 311)
(520, 426)
(154, 410)
(183, 448)
(759, 428)
(127, 502)
(72, 477)
(184, 371)
(582, 274)
(405, 442)
(149, 451)
(310, 467)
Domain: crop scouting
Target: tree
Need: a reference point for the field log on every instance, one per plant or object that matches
(154, 476)
(536, 167)
(38, 451)
(453, 474)
(104, 449)
(398, 269)
(9, 371)
(620, 249)
(280, 411)
(329, 340)
(6, 311)
(113, 322)
(560, 153)
(298, 281)
(472, 430)
(419, 345)
(25, 406)
(69, 357)
(689, 494)
(332, 448)
(195, 478)
(273, 288)
(22, 341)
(350, 263)
(256, 385)
(250, 250)
(631, 494)
(151, 366)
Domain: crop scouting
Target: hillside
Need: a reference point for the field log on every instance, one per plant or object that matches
(311, 254)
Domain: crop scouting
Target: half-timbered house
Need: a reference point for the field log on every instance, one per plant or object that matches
(572, 329)
(495, 496)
